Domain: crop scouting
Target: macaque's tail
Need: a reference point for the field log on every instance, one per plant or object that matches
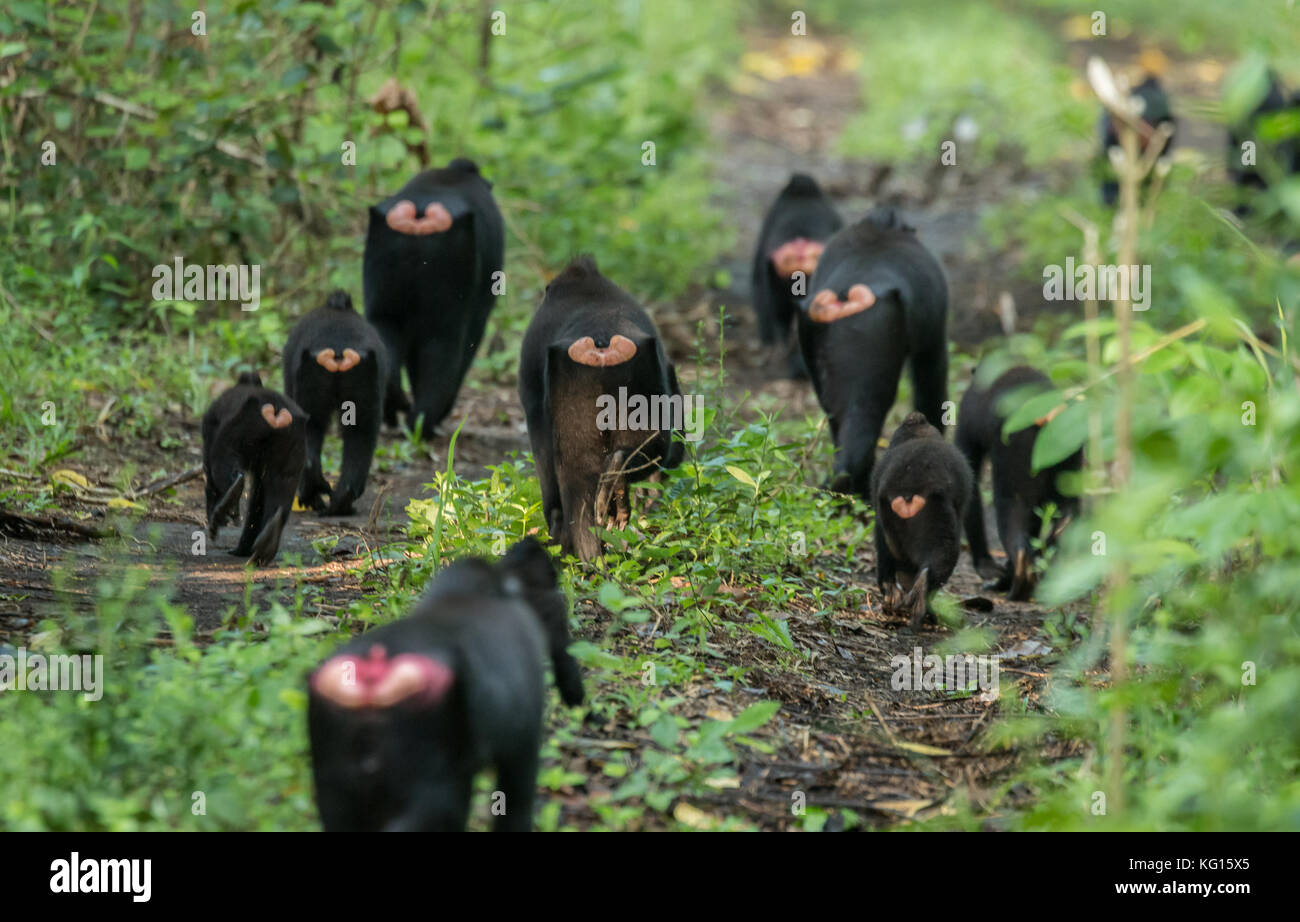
(529, 562)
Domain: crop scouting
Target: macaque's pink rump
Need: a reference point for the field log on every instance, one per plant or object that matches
(906, 509)
(798, 255)
(620, 350)
(327, 359)
(826, 307)
(380, 682)
(276, 420)
(401, 218)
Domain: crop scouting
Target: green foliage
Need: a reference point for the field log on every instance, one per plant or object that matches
(1187, 231)
(1192, 25)
(165, 727)
(1016, 95)
(228, 148)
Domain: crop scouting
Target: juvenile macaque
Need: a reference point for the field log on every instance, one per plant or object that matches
(252, 436)
(335, 366)
(919, 490)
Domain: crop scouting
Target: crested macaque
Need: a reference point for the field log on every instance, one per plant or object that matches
(335, 365)
(1273, 127)
(878, 299)
(1019, 495)
(919, 490)
(588, 343)
(1155, 112)
(402, 718)
(252, 436)
(431, 274)
(790, 243)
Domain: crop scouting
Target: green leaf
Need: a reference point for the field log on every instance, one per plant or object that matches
(135, 158)
(1061, 437)
(1029, 412)
(754, 717)
(742, 476)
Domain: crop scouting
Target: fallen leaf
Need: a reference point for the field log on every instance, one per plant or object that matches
(909, 808)
(70, 478)
(922, 749)
(687, 815)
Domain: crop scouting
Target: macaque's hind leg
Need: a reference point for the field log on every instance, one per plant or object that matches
(517, 781)
(612, 507)
(228, 506)
(1022, 577)
(253, 518)
(917, 600)
(277, 505)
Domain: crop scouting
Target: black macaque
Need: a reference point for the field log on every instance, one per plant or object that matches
(251, 433)
(792, 239)
(1019, 496)
(919, 490)
(402, 718)
(1273, 146)
(878, 297)
(590, 344)
(1155, 112)
(434, 252)
(336, 365)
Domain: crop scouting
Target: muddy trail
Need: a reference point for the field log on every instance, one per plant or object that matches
(843, 736)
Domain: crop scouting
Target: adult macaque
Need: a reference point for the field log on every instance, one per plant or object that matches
(590, 340)
(432, 267)
(1019, 494)
(791, 242)
(402, 718)
(879, 298)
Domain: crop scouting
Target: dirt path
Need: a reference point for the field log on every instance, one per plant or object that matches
(325, 557)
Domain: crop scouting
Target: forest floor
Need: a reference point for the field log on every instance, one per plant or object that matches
(844, 737)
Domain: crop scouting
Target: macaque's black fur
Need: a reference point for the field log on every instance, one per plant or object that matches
(916, 556)
(429, 297)
(856, 362)
(1018, 494)
(239, 447)
(1155, 110)
(583, 470)
(411, 766)
(323, 394)
(801, 210)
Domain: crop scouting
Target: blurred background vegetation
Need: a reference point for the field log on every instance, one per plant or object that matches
(227, 148)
